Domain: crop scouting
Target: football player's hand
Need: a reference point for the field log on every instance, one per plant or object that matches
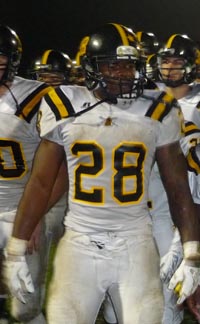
(16, 274)
(185, 280)
(193, 303)
(172, 259)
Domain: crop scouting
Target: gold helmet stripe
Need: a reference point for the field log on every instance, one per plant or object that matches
(149, 57)
(170, 40)
(82, 49)
(45, 56)
(139, 35)
(122, 33)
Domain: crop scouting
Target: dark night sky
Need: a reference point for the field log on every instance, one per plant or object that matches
(61, 24)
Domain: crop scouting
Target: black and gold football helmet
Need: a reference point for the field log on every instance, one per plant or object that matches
(180, 46)
(149, 42)
(11, 47)
(51, 61)
(112, 42)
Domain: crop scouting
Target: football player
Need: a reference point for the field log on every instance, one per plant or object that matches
(150, 45)
(176, 64)
(193, 157)
(20, 99)
(52, 67)
(110, 133)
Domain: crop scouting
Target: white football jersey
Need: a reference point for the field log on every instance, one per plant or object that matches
(158, 201)
(110, 150)
(190, 106)
(18, 139)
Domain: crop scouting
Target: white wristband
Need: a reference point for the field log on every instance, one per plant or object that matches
(192, 250)
(16, 246)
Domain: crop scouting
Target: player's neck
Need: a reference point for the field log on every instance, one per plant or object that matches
(3, 88)
(180, 91)
(99, 94)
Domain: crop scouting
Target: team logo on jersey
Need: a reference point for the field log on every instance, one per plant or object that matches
(108, 121)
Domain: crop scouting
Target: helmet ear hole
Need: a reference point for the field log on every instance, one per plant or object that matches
(188, 69)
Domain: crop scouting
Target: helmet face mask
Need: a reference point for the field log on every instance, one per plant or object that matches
(10, 47)
(117, 76)
(175, 74)
(113, 47)
(51, 78)
(176, 61)
(151, 67)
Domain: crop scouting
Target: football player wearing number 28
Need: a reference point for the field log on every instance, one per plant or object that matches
(110, 133)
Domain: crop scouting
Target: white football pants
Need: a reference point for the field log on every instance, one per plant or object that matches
(89, 266)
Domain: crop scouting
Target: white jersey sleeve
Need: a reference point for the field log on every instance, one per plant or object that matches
(19, 139)
(190, 105)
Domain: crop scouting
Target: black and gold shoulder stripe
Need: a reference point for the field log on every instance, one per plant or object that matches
(191, 128)
(29, 107)
(59, 104)
(161, 107)
(193, 161)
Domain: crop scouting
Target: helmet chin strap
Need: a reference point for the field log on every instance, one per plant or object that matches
(174, 83)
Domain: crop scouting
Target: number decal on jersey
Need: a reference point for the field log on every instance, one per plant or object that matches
(194, 141)
(12, 163)
(90, 169)
(127, 172)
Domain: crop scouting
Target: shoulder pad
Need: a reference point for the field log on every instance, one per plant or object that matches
(59, 104)
(29, 107)
(161, 106)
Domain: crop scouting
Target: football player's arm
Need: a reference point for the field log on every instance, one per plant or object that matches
(173, 169)
(60, 186)
(37, 193)
(32, 207)
(59, 189)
